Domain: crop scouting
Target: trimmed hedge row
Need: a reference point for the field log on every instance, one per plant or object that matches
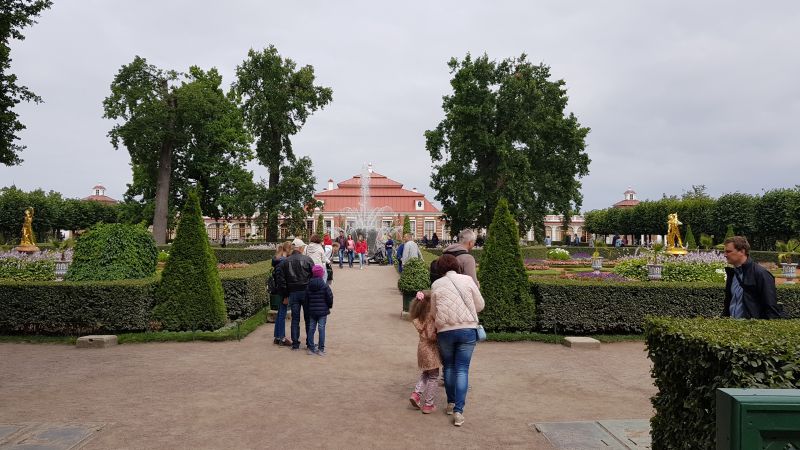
(589, 307)
(77, 308)
(235, 255)
(693, 357)
(245, 289)
(540, 252)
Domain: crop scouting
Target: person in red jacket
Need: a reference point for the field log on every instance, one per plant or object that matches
(361, 251)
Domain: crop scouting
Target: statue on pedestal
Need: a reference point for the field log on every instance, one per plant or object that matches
(674, 241)
(28, 242)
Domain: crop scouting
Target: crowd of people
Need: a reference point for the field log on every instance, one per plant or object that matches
(445, 317)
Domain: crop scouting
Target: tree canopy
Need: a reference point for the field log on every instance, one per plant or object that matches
(505, 135)
(14, 16)
(181, 131)
(276, 98)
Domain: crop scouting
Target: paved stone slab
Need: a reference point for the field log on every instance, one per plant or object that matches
(581, 342)
(579, 436)
(606, 434)
(96, 341)
(6, 430)
(48, 436)
(633, 433)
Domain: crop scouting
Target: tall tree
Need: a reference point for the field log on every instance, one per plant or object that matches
(181, 131)
(276, 99)
(505, 135)
(292, 198)
(14, 16)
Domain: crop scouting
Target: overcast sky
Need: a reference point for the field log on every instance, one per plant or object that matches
(676, 94)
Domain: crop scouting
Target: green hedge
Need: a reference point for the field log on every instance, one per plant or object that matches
(592, 307)
(235, 255)
(245, 289)
(540, 252)
(114, 251)
(75, 307)
(693, 357)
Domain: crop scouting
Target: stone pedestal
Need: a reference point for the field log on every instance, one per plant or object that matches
(96, 341)
(581, 342)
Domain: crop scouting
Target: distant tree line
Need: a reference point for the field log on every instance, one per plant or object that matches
(52, 213)
(763, 219)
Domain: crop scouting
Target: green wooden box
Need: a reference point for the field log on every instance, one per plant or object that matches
(758, 419)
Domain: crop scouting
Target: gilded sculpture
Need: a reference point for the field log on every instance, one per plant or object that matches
(28, 242)
(674, 241)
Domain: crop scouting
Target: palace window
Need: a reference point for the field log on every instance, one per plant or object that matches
(429, 228)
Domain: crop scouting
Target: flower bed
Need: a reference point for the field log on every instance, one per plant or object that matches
(39, 266)
(692, 267)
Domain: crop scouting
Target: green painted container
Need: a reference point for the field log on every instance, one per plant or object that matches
(758, 419)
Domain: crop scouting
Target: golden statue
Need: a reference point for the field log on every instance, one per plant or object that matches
(674, 241)
(28, 243)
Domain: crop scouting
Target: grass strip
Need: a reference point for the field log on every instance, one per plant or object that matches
(233, 331)
(238, 330)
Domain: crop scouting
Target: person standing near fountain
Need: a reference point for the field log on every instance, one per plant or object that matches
(293, 278)
(351, 247)
(361, 251)
(389, 246)
(342, 241)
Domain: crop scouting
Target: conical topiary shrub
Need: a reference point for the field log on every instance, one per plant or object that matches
(504, 283)
(690, 242)
(190, 296)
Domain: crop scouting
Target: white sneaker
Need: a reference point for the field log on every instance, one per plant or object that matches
(449, 409)
(458, 419)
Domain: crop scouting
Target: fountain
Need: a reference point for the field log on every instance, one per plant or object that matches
(368, 221)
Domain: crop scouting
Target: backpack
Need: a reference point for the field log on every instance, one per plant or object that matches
(434, 271)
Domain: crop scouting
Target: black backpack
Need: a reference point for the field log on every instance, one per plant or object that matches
(434, 271)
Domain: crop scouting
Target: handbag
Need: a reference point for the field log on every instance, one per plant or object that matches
(479, 328)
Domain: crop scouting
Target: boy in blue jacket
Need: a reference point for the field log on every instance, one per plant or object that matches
(319, 301)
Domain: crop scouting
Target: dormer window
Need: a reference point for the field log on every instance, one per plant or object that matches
(97, 192)
(420, 205)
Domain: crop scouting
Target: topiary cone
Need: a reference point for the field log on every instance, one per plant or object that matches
(504, 283)
(190, 295)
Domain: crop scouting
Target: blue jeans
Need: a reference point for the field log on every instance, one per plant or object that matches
(317, 322)
(296, 300)
(361, 259)
(342, 250)
(456, 347)
(280, 321)
(389, 256)
(350, 258)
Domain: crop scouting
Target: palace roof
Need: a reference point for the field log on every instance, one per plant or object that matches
(383, 192)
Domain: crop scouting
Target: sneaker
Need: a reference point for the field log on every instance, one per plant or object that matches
(449, 409)
(427, 409)
(321, 352)
(295, 348)
(415, 400)
(276, 341)
(458, 419)
(311, 351)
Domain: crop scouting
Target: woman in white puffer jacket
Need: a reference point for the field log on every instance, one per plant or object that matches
(457, 302)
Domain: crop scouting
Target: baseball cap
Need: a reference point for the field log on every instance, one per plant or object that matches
(297, 243)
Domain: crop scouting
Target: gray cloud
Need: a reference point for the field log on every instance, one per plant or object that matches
(676, 94)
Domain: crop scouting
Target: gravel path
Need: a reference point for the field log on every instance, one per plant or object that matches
(253, 394)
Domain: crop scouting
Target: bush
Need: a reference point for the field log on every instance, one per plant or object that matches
(76, 307)
(190, 295)
(22, 267)
(693, 357)
(415, 276)
(690, 242)
(113, 251)
(504, 283)
(558, 254)
(245, 289)
(594, 307)
(230, 255)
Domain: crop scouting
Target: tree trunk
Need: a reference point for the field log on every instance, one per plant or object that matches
(162, 194)
(164, 173)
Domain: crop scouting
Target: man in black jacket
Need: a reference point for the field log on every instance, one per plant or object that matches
(750, 288)
(292, 280)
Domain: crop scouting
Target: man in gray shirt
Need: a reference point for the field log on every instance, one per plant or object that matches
(410, 249)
